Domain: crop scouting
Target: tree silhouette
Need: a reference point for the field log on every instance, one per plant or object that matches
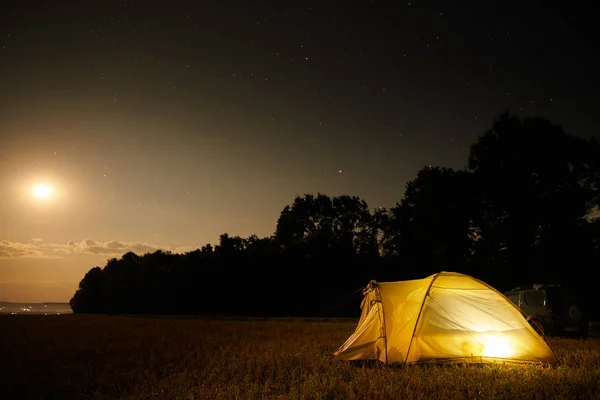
(534, 181)
(430, 229)
(89, 298)
(322, 225)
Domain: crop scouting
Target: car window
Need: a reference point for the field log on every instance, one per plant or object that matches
(514, 297)
(560, 295)
(534, 298)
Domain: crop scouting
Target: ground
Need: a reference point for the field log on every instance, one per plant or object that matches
(110, 357)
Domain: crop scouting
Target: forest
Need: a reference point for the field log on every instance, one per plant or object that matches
(523, 210)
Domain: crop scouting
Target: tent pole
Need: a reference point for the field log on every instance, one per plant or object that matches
(384, 326)
(419, 316)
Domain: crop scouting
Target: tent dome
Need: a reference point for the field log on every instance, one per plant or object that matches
(448, 317)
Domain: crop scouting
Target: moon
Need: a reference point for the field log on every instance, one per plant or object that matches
(42, 191)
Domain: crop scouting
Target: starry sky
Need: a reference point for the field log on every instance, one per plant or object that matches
(165, 124)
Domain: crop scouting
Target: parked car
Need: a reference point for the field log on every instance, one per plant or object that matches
(553, 310)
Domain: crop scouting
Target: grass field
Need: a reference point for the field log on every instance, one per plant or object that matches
(103, 357)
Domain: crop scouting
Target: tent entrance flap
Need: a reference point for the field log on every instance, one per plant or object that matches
(368, 342)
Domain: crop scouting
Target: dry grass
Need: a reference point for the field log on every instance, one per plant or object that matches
(102, 357)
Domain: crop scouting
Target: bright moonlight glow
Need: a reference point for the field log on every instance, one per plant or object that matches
(42, 191)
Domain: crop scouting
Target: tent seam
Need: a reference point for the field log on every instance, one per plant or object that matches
(380, 300)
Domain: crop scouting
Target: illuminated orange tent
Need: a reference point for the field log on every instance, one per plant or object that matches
(447, 317)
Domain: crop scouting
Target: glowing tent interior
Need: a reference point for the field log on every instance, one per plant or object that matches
(448, 317)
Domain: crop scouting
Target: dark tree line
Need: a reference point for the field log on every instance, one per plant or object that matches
(520, 212)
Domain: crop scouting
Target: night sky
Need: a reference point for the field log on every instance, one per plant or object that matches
(163, 125)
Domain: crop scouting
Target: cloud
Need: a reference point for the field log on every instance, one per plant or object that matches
(11, 249)
(113, 247)
(38, 248)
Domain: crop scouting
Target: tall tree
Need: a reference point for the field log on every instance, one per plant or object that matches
(533, 180)
(430, 229)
